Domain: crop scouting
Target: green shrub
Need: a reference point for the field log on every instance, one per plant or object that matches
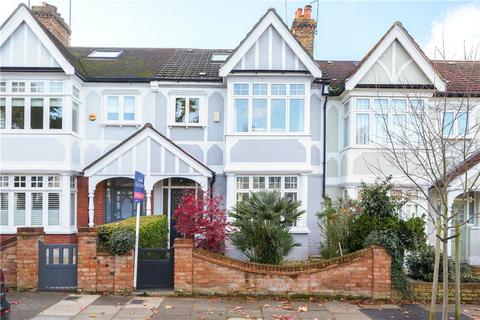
(420, 265)
(468, 275)
(153, 234)
(334, 223)
(262, 226)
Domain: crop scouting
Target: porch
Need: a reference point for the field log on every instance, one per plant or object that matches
(169, 172)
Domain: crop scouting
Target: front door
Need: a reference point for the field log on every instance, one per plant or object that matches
(175, 198)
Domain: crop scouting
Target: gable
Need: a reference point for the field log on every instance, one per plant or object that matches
(395, 66)
(270, 46)
(395, 59)
(24, 49)
(270, 52)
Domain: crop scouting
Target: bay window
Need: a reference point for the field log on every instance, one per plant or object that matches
(121, 109)
(262, 107)
(3, 113)
(32, 200)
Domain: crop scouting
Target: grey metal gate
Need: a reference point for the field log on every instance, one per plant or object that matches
(57, 267)
(155, 268)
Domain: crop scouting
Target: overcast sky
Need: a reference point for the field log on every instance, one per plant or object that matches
(346, 30)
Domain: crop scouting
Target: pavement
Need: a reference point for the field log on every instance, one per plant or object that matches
(60, 306)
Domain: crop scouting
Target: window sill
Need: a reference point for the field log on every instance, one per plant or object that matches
(274, 134)
(121, 124)
(300, 230)
(184, 125)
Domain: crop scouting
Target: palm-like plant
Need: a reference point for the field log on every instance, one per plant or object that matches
(262, 224)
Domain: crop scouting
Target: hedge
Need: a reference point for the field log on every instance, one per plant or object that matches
(119, 237)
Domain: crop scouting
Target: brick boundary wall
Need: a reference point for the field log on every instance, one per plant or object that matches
(8, 261)
(99, 271)
(469, 292)
(364, 273)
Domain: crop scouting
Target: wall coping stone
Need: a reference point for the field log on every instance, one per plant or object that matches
(183, 243)
(30, 231)
(86, 230)
(287, 270)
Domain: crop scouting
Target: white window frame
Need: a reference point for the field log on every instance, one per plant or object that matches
(269, 97)
(121, 121)
(202, 119)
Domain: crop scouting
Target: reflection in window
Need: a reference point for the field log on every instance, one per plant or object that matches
(296, 115)
(129, 108)
(36, 113)
(18, 113)
(194, 110)
(241, 115)
(56, 113)
(278, 120)
(259, 114)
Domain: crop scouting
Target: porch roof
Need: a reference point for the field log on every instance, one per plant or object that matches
(150, 152)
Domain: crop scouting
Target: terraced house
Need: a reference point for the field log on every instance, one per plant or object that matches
(76, 122)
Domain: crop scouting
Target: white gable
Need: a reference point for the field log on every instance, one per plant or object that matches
(395, 66)
(270, 52)
(24, 49)
(270, 46)
(24, 43)
(396, 60)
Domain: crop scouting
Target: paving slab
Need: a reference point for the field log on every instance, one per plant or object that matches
(350, 316)
(111, 300)
(316, 315)
(341, 307)
(134, 314)
(143, 302)
(48, 318)
(407, 311)
(67, 307)
(28, 304)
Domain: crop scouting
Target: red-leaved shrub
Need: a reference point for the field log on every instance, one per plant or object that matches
(202, 218)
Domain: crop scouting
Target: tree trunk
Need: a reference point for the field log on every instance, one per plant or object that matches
(458, 312)
(436, 271)
(445, 272)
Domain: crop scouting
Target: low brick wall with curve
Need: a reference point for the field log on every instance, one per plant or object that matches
(364, 273)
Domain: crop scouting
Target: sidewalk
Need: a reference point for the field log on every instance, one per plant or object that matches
(58, 306)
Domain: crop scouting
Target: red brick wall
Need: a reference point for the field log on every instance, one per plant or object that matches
(363, 273)
(100, 271)
(8, 262)
(60, 238)
(27, 257)
(82, 202)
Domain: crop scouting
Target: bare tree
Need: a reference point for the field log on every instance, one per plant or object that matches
(434, 144)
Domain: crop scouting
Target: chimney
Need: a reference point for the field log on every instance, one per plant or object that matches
(303, 27)
(53, 21)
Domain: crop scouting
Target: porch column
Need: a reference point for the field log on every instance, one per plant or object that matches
(91, 208)
(148, 204)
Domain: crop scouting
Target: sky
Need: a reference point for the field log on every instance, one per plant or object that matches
(346, 30)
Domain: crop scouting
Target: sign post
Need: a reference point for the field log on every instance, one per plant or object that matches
(138, 191)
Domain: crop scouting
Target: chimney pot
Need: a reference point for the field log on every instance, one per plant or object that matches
(308, 11)
(298, 13)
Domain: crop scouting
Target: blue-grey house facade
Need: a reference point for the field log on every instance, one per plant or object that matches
(77, 122)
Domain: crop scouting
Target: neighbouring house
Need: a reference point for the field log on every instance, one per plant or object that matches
(76, 122)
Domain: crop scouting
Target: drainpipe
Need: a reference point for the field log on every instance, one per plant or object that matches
(325, 93)
(212, 182)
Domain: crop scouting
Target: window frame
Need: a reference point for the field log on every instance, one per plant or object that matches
(121, 121)
(201, 110)
(269, 97)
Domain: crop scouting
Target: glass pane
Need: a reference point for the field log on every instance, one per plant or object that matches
(240, 89)
(37, 209)
(363, 104)
(258, 182)
(274, 182)
(399, 124)
(18, 113)
(241, 115)
(292, 196)
(462, 123)
(379, 105)
(259, 89)
(56, 86)
(297, 89)
(180, 110)
(290, 182)
(346, 131)
(279, 89)
(241, 196)
(129, 108)
(53, 209)
(56, 113)
(113, 107)
(259, 112)
(278, 115)
(2, 113)
(75, 117)
(36, 113)
(4, 208)
(19, 209)
(448, 124)
(36, 86)
(380, 128)
(399, 104)
(363, 127)
(242, 183)
(56, 255)
(296, 115)
(194, 110)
